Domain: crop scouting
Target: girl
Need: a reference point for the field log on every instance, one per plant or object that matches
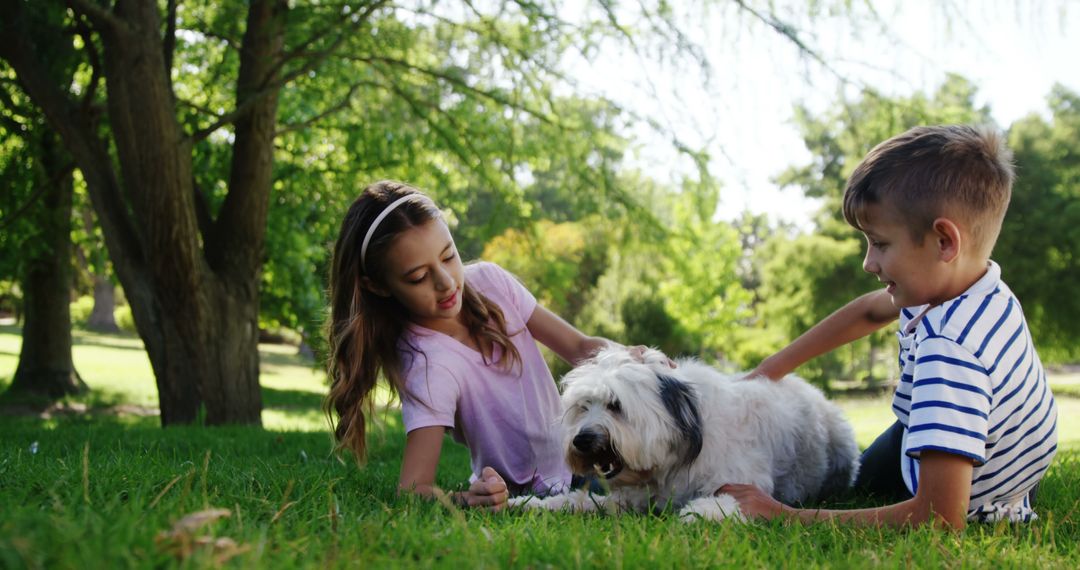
(456, 342)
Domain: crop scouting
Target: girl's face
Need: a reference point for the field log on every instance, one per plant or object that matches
(424, 272)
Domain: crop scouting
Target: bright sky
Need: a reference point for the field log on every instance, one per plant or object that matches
(1013, 50)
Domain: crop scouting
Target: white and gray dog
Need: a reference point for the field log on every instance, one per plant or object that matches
(664, 437)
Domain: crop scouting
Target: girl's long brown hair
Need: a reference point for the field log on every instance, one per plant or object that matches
(365, 329)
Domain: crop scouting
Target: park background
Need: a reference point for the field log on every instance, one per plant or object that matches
(661, 174)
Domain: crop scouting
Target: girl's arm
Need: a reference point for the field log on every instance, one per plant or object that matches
(562, 338)
(422, 449)
(854, 320)
(942, 498)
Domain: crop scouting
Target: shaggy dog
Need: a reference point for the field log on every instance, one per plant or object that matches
(660, 436)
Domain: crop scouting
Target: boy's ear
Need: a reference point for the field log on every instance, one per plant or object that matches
(948, 239)
(370, 285)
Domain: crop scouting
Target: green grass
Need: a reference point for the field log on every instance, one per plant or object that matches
(99, 489)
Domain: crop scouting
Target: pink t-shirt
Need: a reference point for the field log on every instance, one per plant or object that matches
(507, 419)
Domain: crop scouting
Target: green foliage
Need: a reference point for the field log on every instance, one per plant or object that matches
(458, 102)
(807, 277)
(699, 280)
(1038, 248)
(560, 262)
(30, 152)
(124, 319)
(804, 279)
(841, 137)
(10, 297)
(81, 309)
(674, 286)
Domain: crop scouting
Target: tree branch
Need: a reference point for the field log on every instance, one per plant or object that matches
(463, 85)
(316, 58)
(455, 146)
(90, 152)
(63, 171)
(86, 34)
(266, 89)
(338, 107)
(98, 14)
(789, 32)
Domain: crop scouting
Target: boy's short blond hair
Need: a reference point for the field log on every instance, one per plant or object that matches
(960, 172)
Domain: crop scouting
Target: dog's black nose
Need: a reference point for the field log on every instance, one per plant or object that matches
(586, 440)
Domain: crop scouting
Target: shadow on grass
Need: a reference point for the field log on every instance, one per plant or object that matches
(92, 404)
(285, 359)
(120, 341)
(137, 433)
(291, 399)
(80, 337)
(106, 402)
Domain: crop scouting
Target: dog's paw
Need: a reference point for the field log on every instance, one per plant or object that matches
(523, 502)
(717, 508)
(574, 501)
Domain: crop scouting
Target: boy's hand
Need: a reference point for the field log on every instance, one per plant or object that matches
(489, 491)
(638, 354)
(753, 502)
(765, 369)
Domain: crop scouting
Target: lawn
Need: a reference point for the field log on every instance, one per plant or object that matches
(104, 490)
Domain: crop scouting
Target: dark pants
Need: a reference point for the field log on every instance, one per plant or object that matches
(879, 469)
(879, 472)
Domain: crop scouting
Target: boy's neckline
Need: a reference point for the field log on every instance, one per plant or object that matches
(914, 322)
(985, 284)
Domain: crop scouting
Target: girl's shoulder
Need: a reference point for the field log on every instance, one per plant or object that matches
(502, 287)
(486, 272)
(493, 275)
(423, 354)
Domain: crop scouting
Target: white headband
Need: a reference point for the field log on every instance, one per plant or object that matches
(378, 219)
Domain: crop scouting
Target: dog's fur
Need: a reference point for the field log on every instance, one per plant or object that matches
(666, 437)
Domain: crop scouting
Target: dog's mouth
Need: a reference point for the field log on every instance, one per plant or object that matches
(610, 469)
(605, 462)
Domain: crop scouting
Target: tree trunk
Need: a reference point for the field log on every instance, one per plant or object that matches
(199, 316)
(102, 318)
(45, 365)
(193, 290)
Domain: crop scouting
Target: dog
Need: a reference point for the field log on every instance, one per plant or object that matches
(659, 436)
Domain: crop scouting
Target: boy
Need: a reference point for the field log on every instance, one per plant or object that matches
(976, 423)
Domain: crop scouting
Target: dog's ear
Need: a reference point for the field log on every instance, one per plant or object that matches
(682, 404)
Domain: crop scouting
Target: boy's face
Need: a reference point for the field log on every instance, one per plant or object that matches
(913, 273)
(425, 273)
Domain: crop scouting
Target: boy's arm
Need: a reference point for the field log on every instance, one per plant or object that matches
(854, 320)
(942, 498)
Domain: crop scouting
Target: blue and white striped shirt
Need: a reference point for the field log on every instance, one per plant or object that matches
(972, 384)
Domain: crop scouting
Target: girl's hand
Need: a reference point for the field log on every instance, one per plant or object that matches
(638, 353)
(753, 502)
(489, 491)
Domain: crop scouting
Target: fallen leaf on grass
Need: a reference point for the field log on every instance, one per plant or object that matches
(181, 542)
(192, 522)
